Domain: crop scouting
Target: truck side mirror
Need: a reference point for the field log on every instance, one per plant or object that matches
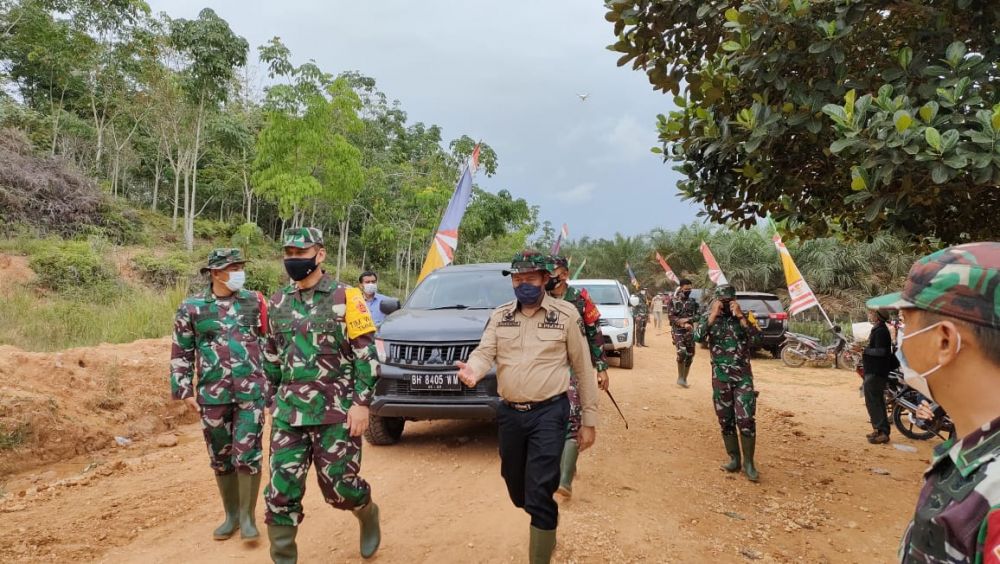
(388, 305)
(634, 300)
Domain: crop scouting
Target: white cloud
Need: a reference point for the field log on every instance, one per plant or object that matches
(630, 140)
(578, 194)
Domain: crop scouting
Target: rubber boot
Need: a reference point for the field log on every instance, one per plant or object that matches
(283, 549)
(541, 545)
(249, 489)
(732, 443)
(749, 444)
(229, 489)
(571, 450)
(371, 531)
(682, 374)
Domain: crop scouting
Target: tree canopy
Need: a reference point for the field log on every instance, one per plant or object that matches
(844, 116)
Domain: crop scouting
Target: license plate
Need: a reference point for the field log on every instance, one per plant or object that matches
(763, 323)
(435, 382)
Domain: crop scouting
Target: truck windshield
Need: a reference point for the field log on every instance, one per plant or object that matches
(602, 294)
(468, 289)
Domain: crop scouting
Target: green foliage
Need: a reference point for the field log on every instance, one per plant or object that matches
(71, 266)
(252, 240)
(265, 276)
(838, 117)
(212, 230)
(162, 272)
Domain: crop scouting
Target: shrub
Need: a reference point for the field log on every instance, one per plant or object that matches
(252, 240)
(72, 266)
(266, 277)
(162, 272)
(211, 229)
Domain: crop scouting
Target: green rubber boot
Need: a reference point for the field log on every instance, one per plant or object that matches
(283, 549)
(571, 451)
(229, 489)
(749, 444)
(732, 443)
(249, 489)
(371, 531)
(541, 545)
(682, 374)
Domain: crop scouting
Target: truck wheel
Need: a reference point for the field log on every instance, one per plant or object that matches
(625, 360)
(384, 430)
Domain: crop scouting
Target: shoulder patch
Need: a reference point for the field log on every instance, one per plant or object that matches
(991, 538)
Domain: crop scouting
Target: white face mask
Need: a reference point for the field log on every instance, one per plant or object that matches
(236, 280)
(913, 379)
(370, 288)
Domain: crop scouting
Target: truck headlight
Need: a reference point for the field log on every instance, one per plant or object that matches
(619, 323)
(380, 348)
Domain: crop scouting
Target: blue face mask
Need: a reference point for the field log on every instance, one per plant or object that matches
(528, 294)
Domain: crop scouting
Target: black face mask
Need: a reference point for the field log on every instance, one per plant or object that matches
(686, 294)
(726, 312)
(299, 268)
(553, 283)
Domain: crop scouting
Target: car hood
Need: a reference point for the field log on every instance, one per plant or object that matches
(613, 311)
(433, 326)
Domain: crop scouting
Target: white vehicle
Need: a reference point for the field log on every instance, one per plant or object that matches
(617, 322)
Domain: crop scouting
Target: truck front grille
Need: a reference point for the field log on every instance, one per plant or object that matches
(429, 354)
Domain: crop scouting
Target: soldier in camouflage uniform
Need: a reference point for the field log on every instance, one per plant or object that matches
(558, 287)
(320, 360)
(950, 352)
(682, 311)
(218, 334)
(641, 314)
(730, 336)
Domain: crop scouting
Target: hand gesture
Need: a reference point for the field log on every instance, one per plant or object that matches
(924, 411)
(734, 307)
(357, 420)
(602, 380)
(716, 308)
(585, 437)
(192, 404)
(466, 374)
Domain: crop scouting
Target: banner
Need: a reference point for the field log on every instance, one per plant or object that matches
(666, 268)
(579, 268)
(563, 234)
(442, 251)
(631, 276)
(799, 292)
(714, 272)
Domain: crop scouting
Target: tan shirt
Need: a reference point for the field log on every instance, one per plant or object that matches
(534, 354)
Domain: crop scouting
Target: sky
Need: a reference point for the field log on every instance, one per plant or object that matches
(507, 73)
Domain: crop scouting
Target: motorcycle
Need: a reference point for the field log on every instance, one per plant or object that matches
(901, 403)
(799, 349)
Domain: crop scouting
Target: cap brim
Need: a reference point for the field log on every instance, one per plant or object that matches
(522, 271)
(889, 301)
(205, 269)
(301, 246)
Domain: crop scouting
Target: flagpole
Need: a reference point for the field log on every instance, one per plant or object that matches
(818, 304)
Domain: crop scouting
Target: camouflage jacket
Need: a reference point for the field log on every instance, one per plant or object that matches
(320, 355)
(682, 308)
(641, 310)
(591, 325)
(220, 340)
(958, 512)
(729, 343)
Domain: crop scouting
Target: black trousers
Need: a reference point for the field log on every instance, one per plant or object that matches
(531, 445)
(874, 386)
(640, 330)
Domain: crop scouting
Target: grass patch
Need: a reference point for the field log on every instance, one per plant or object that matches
(112, 397)
(163, 272)
(13, 437)
(64, 321)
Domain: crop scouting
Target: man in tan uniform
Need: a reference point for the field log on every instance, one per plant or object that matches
(535, 340)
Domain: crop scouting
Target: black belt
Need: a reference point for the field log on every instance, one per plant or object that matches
(529, 405)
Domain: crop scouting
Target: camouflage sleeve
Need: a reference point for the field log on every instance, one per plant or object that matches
(360, 330)
(182, 356)
(701, 330)
(592, 328)
(672, 314)
(753, 334)
(271, 360)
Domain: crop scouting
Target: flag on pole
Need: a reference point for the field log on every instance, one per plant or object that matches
(714, 272)
(442, 251)
(666, 268)
(631, 275)
(579, 268)
(799, 291)
(563, 234)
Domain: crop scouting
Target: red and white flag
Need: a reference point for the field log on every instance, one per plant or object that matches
(666, 268)
(799, 292)
(714, 272)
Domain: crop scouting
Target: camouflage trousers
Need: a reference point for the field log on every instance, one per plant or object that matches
(684, 341)
(233, 436)
(575, 409)
(735, 404)
(337, 456)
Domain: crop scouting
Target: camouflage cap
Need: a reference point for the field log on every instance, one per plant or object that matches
(301, 237)
(961, 282)
(556, 261)
(221, 258)
(527, 261)
(725, 291)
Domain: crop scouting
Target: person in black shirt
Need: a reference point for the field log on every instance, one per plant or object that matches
(878, 360)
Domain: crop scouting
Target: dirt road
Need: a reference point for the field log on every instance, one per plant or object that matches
(650, 494)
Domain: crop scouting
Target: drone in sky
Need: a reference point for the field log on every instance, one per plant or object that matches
(583, 97)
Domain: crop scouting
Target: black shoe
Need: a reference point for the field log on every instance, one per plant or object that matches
(880, 438)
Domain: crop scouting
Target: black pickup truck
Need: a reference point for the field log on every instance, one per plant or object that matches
(441, 322)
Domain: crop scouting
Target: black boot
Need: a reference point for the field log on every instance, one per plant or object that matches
(541, 545)
(249, 488)
(682, 373)
(371, 531)
(283, 549)
(732, 443)
(571, 451)
(229, 490)
(749, 444)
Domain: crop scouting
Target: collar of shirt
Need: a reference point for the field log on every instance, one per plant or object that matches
(974, 450)
(325, 285)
